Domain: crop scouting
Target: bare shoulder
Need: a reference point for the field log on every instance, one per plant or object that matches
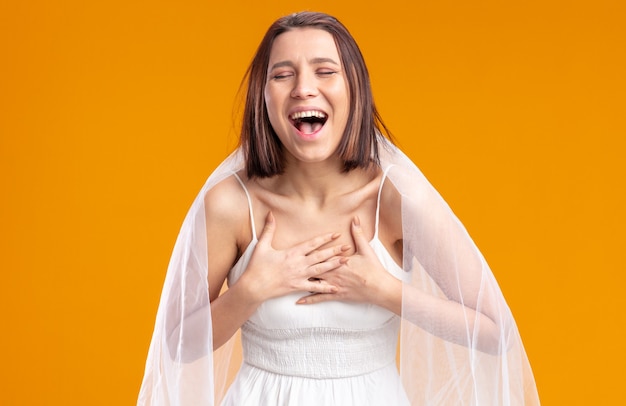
(226, 203)
(226, 214)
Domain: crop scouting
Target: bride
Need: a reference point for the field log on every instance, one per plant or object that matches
(334, 248)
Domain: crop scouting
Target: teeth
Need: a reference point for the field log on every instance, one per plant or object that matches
(305, 114)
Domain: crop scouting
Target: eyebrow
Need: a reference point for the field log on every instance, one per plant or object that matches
(314, 61)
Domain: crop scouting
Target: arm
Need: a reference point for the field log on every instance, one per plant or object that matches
(454, 315)
(226, 216)
(451, 294)
(270, 273)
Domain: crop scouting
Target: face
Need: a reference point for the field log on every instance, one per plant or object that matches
(306, 94)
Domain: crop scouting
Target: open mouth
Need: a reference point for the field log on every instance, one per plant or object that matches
(308, 122)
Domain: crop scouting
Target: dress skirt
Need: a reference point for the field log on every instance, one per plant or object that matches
(256, 387)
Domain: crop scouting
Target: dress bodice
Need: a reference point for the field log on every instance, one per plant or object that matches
(325, 340)
(283, 312)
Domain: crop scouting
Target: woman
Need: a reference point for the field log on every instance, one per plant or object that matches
(352, 242)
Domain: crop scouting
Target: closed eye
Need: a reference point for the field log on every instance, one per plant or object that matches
(281, 76)
(326, 73)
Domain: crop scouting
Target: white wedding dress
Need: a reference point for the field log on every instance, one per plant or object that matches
(330, 353)
(338, 353)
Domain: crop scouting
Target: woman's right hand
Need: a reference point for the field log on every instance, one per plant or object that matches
(272, 273)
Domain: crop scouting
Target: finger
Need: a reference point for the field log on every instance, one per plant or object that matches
(313, 279)
(314, 243)
(316, 298)
(357, 234)
(267, 235)
(319, 286)
(323, 255)
(323, 267)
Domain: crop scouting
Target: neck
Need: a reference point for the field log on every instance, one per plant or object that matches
(318, 182)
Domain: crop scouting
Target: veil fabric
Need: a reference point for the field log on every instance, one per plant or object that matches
(459, 344)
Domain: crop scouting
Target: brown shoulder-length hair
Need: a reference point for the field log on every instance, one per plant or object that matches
(359, 144)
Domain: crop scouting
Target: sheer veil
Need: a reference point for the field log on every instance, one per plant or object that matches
(479, 361)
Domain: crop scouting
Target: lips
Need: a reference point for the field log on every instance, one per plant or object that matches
(308, 122)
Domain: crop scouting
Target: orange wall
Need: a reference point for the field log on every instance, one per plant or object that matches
(112, 113)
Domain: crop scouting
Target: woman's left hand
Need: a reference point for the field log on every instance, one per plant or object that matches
(361, 277)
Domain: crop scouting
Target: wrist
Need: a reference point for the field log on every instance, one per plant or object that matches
(248, 291)
(388, 293)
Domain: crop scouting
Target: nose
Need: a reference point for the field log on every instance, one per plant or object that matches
(305, 87)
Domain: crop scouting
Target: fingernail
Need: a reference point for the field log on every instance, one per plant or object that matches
(335, 236)
(345, 247)
(301, 301)
(356, 221)
(270, 217)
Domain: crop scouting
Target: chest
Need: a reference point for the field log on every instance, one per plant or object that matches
(300, 220)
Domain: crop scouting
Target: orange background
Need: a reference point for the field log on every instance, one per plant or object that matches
(112, 114)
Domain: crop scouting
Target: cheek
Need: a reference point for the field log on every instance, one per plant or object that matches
(271, 102)
(341, 96)
(342, 105)
(273, 111)
(267, 98)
